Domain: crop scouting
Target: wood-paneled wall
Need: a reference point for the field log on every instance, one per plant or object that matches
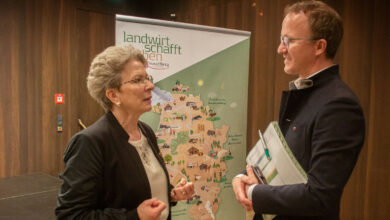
(46, 47)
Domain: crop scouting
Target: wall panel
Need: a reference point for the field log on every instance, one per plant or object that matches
(10, 64)
(30, 87)
(377, 193)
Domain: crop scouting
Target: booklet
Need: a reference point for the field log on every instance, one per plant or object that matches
(272, 160)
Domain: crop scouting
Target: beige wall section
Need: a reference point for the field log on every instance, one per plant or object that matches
(47, 45)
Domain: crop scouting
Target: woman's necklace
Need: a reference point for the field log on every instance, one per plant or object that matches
(142, 148)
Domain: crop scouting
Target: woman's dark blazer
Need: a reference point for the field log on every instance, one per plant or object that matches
(104, 176)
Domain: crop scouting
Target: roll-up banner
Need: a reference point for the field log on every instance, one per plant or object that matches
(199, 111)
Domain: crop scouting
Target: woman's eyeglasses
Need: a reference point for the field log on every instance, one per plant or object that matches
(140, 80)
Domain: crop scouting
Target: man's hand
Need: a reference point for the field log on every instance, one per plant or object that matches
(251, 178)
(150, 209)
(182, 191)
(239, 188)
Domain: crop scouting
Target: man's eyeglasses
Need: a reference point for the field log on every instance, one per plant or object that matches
(140, 80)
(286, 40)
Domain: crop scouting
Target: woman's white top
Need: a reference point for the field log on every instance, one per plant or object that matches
(157, 180)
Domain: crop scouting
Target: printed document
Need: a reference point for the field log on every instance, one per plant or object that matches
(279, 167)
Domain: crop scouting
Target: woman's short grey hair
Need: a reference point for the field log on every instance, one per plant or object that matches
(106, 70)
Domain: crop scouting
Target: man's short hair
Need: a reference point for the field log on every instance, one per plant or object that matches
(325, 23)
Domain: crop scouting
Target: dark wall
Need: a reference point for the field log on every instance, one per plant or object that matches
(46, 47)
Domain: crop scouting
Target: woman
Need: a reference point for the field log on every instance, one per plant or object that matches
(113, 168)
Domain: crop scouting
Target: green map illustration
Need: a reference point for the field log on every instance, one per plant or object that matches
(199, 118)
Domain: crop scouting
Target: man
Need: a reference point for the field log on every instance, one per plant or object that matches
(320, 117)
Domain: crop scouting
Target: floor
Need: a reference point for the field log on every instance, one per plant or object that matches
(32, 197)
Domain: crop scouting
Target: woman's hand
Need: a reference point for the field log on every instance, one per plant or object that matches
(150, 209)
(182, 191)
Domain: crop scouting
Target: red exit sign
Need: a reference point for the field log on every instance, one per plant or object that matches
(59, 98)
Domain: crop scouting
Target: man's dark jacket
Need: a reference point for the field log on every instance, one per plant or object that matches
(104, 176)
(324, 127)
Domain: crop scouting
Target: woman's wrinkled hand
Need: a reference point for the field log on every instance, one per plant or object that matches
(183, 191)
(150, 209)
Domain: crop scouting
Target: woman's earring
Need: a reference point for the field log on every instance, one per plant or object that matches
(118, 104)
